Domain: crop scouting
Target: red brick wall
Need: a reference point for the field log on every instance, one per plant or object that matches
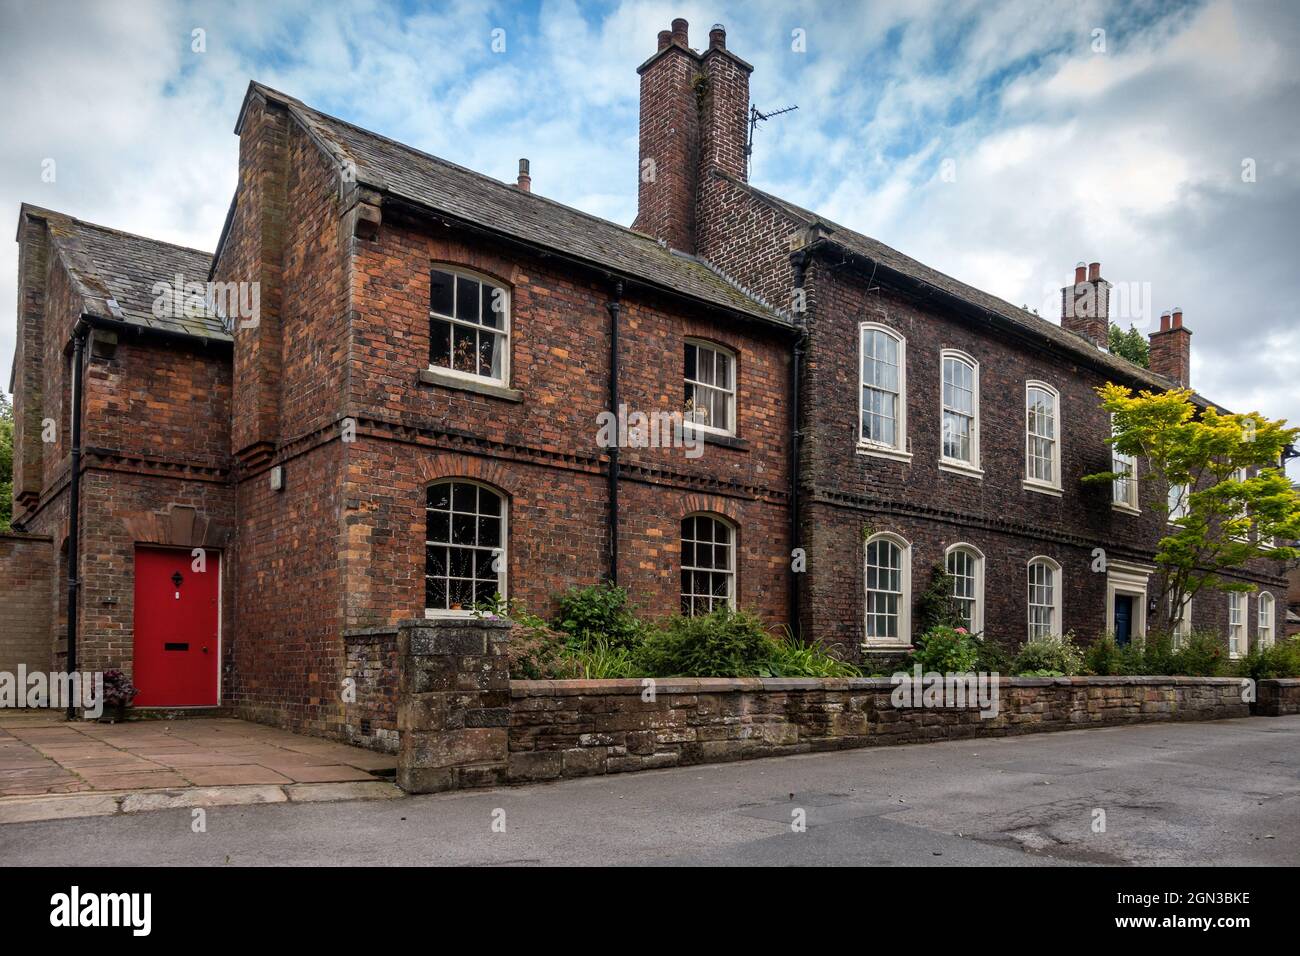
(29, 357)
(27, 573)
(287, 659)
(668, 160)
(542, 450)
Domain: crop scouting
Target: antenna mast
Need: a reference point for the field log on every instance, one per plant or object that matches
(755, 115)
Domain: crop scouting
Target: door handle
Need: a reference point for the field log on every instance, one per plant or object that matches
(205, 648)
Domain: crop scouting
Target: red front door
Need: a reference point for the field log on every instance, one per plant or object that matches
(176, 628)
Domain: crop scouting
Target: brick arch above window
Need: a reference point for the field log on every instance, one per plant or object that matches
(470, 467)
(460, 256)
(715, 504)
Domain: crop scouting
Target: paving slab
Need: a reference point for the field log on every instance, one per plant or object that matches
(42, 754)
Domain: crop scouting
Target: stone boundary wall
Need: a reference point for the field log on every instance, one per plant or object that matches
(464, 723)
(1278, 697)
(575, 728)
(27, 577)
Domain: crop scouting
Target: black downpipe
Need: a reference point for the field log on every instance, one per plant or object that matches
(615, 306)
(800, 263)
(74, 500)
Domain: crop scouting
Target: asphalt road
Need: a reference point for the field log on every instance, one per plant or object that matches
(1226, 792)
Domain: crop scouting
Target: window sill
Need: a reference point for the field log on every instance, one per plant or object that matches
(1042, 489)
(961, 468)
(433, 615)
(881, 451)
(714, 437)
(1126, 509)
(431, 376)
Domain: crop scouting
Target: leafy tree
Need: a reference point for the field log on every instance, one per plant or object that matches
(6, 462)
(1228, 521)
(1131, 345)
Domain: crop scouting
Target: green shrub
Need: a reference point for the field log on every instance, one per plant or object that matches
(1279, 660)
(936, 607)
(948, 650)
(599, 613)
(725, 643)
(1158, 655)
(1048, 657)
(790, 657)
(601, 661)
(535, 651)
(991, 657)
(1202, 654)
(1104, 657)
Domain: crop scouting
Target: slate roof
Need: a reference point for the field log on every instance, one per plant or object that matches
(1031, 324)
(463, 194)
(115, 273)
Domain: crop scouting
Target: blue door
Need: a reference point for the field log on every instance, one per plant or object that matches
(1123, 619)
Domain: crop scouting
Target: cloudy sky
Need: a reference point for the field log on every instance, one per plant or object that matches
(1000, 142)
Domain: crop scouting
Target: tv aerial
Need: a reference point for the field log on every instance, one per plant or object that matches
(755, 116)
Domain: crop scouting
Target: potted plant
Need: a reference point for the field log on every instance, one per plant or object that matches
(118, 694)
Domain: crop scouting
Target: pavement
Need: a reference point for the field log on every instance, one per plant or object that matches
(51, 767)
(1213, 793)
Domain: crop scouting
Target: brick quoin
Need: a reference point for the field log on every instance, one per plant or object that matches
(331, 388)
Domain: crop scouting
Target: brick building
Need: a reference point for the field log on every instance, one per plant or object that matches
(380, 399)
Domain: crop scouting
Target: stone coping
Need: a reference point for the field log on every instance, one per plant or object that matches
(1282, 681)
(725, 685)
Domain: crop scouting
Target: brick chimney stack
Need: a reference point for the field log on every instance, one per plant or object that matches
(525, 181)
(694, 110)
(1085, 306)
(1171, 348)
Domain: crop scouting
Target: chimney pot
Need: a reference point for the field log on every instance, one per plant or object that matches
(1171, 355)
(1094, 271)
(679, 32)
(718, 37)
(665, 38)
(525, 181)
(1080, 272)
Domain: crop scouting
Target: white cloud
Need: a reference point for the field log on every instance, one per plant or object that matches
(1132, 157)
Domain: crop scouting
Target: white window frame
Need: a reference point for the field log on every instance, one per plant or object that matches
(958, 465)
(726, 353)
(504, 548)
(1265, 607)
(503, 333)
(904, 636)
(977, 608)
(899, 449)
(1124, 491)
(1238, 613)
(1176, 500)
(1242, 474)
(731, 573)
(1182, 626)
(1030, 482)
(1055, 566)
